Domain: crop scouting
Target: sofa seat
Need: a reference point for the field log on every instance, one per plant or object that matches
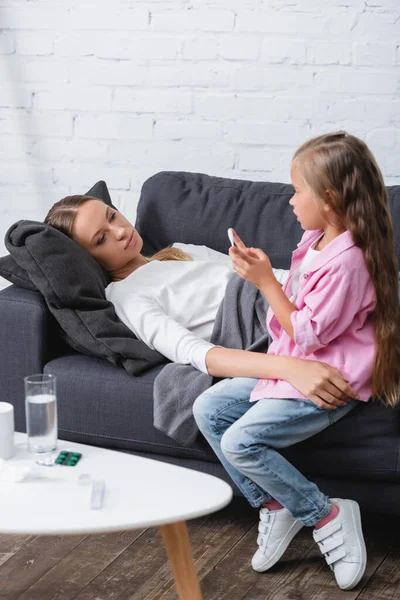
(118, 408)
(120, 415)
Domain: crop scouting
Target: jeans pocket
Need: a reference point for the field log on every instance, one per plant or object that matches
(312, 404)
(342, 411)
(319, 409)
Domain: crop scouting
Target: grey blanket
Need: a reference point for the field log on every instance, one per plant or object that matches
(240, 323)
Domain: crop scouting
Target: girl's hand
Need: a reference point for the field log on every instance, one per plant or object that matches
(251, 264)
(322, 384)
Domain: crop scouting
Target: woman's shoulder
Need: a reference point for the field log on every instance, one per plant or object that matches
(134, 281)
(188, 248)
(195, 249)
(203, 253)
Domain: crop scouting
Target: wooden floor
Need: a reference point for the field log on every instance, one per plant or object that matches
(133, 565)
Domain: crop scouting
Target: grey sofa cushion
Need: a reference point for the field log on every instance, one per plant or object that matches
(16, 274)
(73, 283)
(195, 208)
(103, 405)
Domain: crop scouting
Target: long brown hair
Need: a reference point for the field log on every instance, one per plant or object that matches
(62, 215)
(341, 170)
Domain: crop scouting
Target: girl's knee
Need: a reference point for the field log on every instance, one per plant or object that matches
(203, 408)
(232, 444)
(207, 405)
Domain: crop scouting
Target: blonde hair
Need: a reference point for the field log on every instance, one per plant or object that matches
(62, 215)
(341, 170)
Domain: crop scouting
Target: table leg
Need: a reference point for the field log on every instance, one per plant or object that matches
(177, 544)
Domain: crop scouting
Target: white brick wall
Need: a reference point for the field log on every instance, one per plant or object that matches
(119, 90)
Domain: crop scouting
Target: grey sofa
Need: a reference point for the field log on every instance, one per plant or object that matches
(101, 404)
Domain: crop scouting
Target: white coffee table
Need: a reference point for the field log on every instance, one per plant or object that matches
(139, 493)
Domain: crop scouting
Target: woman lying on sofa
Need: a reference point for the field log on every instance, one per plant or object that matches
(170, 300)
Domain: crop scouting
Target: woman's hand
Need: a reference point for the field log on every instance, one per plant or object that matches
(251, 264)
(322, 384)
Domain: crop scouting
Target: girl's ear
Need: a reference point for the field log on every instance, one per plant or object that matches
(327, 202)
(329, 199)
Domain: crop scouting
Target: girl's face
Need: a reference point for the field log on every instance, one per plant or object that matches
(105, 233)
(306, 205)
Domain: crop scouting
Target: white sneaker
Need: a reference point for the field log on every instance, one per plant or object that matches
(276, 529)
(342, 543)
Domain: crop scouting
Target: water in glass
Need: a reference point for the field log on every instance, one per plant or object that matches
(41, 422)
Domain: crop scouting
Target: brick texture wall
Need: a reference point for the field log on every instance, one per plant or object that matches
(120, 90)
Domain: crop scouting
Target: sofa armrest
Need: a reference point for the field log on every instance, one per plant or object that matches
(25, 342)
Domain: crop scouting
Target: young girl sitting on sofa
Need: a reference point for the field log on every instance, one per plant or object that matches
(339, 305)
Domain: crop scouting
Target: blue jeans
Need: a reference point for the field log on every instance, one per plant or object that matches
(245, 436)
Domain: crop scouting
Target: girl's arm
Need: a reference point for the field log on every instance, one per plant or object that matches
(254, 265)
(330, 307)
(280, 305)
(229, 362)
(318, 381)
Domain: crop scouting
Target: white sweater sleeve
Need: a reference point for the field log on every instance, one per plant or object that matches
(146, 318)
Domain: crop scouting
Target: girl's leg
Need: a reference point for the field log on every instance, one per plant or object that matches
(251, 446)
(215, 411)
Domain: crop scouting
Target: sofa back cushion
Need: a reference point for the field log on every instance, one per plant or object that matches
(198, 209)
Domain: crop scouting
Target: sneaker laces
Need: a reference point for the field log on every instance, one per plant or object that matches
(331, 543)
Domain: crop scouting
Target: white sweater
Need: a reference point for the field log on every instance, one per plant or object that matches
(171, 305)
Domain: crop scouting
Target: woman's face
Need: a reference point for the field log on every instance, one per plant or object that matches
(106, 235)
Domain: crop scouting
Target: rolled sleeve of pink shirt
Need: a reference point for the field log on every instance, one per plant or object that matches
(303, 332)
(329, 310)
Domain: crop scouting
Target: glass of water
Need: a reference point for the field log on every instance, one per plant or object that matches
(41, 416)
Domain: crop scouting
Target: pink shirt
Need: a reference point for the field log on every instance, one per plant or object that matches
(332, 322)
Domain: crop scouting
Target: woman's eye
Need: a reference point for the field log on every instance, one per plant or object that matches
(101, 240)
